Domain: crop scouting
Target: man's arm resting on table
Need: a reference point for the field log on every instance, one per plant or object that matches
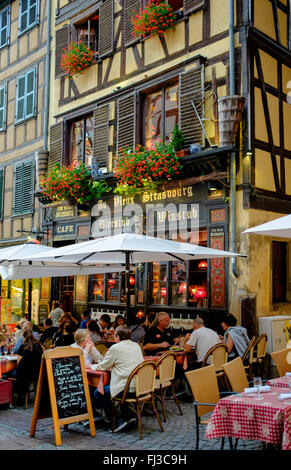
(153, 346)
(188, 348)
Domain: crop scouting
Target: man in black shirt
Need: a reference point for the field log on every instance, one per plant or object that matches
(159, 338)
(49, 330)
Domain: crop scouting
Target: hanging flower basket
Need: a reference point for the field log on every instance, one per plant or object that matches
(144, 169)
(76, 59)
(156, 18)
(72, 184)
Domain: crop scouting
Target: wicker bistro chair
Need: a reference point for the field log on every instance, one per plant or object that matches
(205, 391)
(49, 343)
(247, 358)
(236, 375)
(166, 365)
(280, 359)
(218, 356)
(101, 347)
(259, 353)
(144, 376)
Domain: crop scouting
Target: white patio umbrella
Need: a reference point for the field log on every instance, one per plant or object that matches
(29, 271)
(275, 228)
(129, 248)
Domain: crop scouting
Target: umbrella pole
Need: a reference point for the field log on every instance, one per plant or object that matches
(127, 292)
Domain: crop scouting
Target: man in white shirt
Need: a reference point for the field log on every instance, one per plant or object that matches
(201, 340)
(121, 358)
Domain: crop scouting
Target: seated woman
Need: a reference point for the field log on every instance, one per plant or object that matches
(67, 336)
(3, 342)
(94, 331)
(65, 318)
(235, 337)
(28, 364)
(119, 321)
(84, 342)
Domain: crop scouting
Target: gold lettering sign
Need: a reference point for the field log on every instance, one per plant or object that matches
(186, 191)
(176, 216)
(65, 229)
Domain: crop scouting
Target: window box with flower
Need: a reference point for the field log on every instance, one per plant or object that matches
(72, 184)
(142, 169)
(156, 18)
(76, 58)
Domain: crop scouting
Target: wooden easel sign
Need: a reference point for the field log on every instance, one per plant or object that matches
(63, 374)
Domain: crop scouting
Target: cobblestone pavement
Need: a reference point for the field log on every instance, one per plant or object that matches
(179, 433)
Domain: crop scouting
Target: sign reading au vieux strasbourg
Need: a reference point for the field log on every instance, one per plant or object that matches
(175, 202)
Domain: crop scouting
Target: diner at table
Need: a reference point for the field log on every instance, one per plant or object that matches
(84, 342)
(49, 330)
(25, 326)
(200, 340)
(159, 338)
(120, 359)
(235, 337)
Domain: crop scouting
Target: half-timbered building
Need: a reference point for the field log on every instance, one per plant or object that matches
(24, 53)
(137, 90)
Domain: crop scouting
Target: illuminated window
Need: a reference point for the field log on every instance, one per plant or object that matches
(161, 114)
(82, 140)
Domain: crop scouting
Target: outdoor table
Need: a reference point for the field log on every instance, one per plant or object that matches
(181, 357)
(7, 364)
(98, 378)
(247, 416)
(283, 382)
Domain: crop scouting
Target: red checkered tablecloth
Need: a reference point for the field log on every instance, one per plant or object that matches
(283, 382)
(245, 416)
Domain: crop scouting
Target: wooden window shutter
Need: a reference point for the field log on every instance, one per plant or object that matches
(191, 88)
(56, 145)
(191, 5)
(106, 28)
(27, 187)
(23, 187)
(1, 192)
(126, 121)
(62, 41)
(100, 144)
(129, 7)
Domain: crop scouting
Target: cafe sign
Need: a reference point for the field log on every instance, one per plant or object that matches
(65, 230)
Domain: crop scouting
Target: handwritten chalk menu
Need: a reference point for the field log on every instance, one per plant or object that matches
(68, 379)
(63, 375)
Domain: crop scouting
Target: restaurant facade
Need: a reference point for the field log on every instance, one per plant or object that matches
(133, 94)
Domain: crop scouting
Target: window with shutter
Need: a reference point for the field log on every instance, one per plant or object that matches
(126, 111)
(1, 192)
(56, 145)
(62, 41)
(82, 140)
(23, 188)
(191, 91)
(131, 8)
(4, 26)
(100, 145)
(26, 92)
(28, 15)
(3, 107)
(106, 27)
(191, 5)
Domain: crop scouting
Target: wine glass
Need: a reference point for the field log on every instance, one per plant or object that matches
(257, 383)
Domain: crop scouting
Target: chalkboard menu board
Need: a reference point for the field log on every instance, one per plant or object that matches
(63, 384)
(69, 387)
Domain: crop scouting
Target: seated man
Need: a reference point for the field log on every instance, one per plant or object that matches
(49, 330)
(201, 339)
(104, 323)
(86, 316)
(121, 358)
(159, 338)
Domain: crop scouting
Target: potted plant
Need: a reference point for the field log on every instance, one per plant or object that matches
(76, 59)
(142, 169)
(178, 142)
(157, 17)
(72, 183)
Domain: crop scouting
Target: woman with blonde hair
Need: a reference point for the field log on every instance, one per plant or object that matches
(84, 342)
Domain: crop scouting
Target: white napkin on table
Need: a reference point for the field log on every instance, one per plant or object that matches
(288, 374)
(264, 388)
(94, 366)
(284, 395)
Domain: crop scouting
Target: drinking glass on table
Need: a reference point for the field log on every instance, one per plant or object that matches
(257, 383)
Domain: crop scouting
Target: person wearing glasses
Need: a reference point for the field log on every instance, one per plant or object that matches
(122, 357)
